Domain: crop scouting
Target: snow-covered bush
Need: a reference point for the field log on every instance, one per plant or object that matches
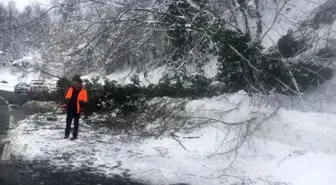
(131, 98)
(243, 66)
(309, 74)
(112, 96)
(326, 52)
(242, 63)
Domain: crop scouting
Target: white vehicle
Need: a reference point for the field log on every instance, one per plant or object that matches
(37, 86)
(21, 87)
(52, 87)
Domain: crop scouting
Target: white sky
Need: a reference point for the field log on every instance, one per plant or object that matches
(22, 3)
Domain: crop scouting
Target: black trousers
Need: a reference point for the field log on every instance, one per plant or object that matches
(71, 115)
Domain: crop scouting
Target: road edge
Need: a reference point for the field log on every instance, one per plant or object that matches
(5, 156)
(4, 100)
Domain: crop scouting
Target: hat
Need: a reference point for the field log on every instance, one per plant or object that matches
(77, 78)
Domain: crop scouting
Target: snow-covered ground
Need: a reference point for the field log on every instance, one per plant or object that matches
(291, 147)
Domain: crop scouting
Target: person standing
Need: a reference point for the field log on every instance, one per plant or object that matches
(76, 97)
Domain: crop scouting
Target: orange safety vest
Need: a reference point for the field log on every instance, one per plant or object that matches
(82, 97)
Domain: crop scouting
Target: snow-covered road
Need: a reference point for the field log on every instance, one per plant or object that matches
(290, 148)
(18, 172)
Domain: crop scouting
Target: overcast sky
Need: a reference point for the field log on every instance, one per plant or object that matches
(22, 3)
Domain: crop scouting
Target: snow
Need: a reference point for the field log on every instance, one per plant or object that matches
(280, 16)
(153, 75)
(46, 105)
(124, 77)
(292, 12)
(294, 144)
(291, 147)
(277, 18)
(11, 79)
(81, 46)
(115, 5)
(21, 4)
(321, 100)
